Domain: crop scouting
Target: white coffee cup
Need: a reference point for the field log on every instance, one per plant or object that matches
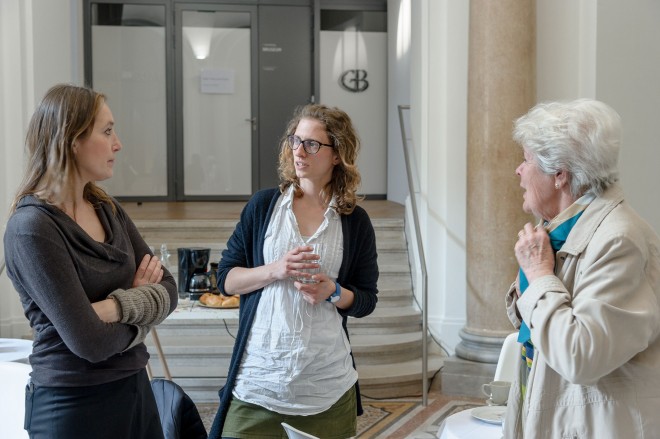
(497, 391)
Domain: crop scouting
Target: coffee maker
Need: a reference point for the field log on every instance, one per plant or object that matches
(193, 272)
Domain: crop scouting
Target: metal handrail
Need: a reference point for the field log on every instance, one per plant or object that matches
(422, 260)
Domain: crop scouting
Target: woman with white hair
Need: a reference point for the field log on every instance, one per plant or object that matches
(587, 296)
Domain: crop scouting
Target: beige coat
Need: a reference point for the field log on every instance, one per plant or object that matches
(595, 326)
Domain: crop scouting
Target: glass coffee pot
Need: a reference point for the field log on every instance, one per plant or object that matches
(200, 283)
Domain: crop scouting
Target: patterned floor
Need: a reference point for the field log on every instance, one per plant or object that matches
(404, 418)
(408, 418)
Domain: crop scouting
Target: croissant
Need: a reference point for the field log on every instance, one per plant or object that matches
(230, 302)
(219, 301)
(210, 299)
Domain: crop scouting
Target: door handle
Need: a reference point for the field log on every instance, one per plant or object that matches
(253, 122)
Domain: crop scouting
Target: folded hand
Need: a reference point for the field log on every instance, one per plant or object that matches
(150, 271)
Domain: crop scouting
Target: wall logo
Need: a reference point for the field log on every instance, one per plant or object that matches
(354, 80)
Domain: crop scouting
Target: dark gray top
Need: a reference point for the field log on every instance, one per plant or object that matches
(58, 271)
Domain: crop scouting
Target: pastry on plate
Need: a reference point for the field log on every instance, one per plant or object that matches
(212, 300)
(218, 301)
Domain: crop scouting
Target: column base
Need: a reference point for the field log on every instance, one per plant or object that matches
(473, 365)
(465, 377)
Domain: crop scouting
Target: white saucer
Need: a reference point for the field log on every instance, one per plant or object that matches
(492, 404)
(492, 415)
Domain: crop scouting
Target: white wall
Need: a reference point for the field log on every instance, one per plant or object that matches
(608, 50)
(628, 78)
(39, 46)
(343, 50)
(566, 49)
(12, 117)
(439, 109)
(398, 93)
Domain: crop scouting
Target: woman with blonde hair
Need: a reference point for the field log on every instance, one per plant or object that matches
(88, 283)
(292, 360)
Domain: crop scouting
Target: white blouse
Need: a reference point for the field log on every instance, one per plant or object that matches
(297, 359)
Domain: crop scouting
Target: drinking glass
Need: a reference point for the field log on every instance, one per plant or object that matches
(317, 249)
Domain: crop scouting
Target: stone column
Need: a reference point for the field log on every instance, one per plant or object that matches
(501, 87)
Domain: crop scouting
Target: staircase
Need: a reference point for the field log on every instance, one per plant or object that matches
(387, 345)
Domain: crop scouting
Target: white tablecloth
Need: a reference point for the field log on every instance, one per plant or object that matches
(192, 310)
(462, 425)
(15, 349)
(13, 378)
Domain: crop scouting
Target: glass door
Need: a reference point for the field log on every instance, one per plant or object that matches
(353, 77)
(128, 64)
(216, 121)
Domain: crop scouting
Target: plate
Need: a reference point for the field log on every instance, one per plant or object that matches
(492, 415)
(216, 307)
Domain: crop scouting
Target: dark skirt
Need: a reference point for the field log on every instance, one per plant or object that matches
(121, 409)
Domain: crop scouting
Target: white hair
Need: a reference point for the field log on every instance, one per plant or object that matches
(580, 137)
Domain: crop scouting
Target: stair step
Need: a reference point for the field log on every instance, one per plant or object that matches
(388, 224)
(387, 320)
(215, 233)
(377, 380)
(181, 351)
(394, 380)
(393, 263)
(395, 282)
(210, 234)
(394, 300)
(384, 320)
(386, 348)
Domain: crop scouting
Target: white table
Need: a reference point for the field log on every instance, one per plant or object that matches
(15, 349)
(13, 378)
(462, 425)
(192, 310)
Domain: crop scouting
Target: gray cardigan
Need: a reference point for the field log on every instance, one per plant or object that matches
(358, 273)
(58, 270)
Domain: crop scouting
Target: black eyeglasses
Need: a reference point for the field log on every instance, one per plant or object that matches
(310, 146)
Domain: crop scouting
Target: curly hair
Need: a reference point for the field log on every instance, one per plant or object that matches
(346, 178)
(65, 114)
(581, 137)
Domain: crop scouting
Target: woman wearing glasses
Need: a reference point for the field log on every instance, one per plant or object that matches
(292, 360)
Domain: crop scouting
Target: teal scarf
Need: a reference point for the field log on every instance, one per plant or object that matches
(558, 230)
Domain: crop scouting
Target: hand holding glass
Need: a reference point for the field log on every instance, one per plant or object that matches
(317, 249)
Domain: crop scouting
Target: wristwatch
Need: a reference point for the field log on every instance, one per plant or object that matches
(334, 297)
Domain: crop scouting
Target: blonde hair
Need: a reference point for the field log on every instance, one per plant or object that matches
(65, 114)
(346, 179)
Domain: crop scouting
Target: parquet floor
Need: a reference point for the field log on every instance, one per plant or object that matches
(209, 210)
